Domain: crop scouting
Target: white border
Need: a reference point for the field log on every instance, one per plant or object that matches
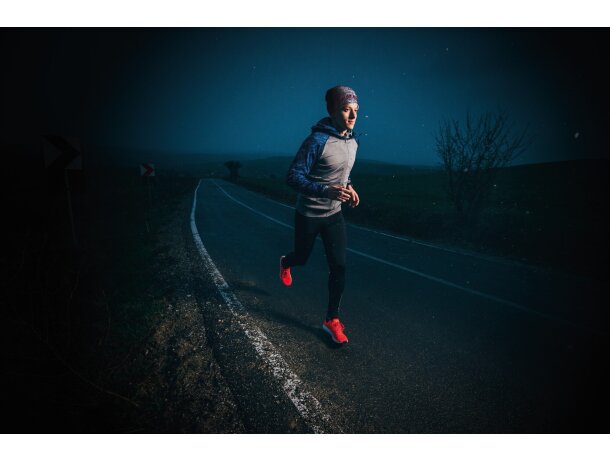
(317, 13)
(304, 447)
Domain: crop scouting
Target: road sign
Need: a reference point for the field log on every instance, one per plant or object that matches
(62, 152)
(147, 170)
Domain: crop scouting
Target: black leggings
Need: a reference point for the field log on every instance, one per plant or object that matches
(332, 229)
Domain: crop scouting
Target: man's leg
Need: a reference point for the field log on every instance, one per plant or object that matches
(333, 236)
(305, 231)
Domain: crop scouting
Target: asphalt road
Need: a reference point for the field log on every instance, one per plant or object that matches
(441, 341)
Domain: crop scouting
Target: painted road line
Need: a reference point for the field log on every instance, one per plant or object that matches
(402, 238)
(469, 290)
(252, 209)
(423, 275)
(306, 404)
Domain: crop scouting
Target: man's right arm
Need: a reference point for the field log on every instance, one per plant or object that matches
(308, 154)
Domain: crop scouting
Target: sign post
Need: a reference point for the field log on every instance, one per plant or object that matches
(69, 195)
(147, 170)
(61, 154)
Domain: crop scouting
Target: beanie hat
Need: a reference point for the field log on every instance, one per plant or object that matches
(339, 96)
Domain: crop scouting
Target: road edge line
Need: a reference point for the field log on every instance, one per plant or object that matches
(306, 404)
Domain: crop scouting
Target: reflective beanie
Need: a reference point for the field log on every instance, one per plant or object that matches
(339, 96)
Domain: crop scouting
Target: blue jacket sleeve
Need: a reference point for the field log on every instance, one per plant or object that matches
(308, 154)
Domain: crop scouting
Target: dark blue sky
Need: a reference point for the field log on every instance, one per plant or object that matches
(260, 90)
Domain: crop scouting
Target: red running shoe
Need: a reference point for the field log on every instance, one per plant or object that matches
(285, 275)
(335, 329)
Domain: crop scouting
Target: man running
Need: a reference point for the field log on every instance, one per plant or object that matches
(320, 172)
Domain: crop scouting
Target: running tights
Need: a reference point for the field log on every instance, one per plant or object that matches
(332, 230)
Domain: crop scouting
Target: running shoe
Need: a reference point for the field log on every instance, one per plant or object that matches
(285, 275)
(335, 329)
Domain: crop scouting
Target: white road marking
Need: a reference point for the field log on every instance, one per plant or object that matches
(306, 404)
(457, 286)
(430, 245)
(402, 238)
(418, 273)
(252, 209)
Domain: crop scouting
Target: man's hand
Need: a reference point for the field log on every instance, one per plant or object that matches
(354, 198)
(338, 192)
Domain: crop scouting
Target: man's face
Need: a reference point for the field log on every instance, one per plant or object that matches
(345, 118)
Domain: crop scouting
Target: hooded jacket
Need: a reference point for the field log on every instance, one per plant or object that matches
(324, 158)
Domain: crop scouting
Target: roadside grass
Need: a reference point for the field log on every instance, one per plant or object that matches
(126, 249)
(548, 214)
(81, 313)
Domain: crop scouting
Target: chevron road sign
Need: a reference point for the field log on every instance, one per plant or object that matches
(62, 152)
(147, 169)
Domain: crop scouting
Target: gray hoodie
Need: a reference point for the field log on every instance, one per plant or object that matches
(324, 158)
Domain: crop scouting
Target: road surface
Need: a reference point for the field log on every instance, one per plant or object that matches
(441, 341)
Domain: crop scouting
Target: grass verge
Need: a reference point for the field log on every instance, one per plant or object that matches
(104, 335)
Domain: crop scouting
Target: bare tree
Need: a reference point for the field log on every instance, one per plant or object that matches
(471, 155)
(233, 167)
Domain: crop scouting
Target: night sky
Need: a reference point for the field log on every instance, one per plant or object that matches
(259, 90)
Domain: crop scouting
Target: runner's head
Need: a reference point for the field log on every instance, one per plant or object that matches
(342, 106)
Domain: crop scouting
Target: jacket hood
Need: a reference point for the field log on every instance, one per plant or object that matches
(325, 125)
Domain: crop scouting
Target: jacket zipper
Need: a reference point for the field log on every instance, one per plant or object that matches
(346, 159)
